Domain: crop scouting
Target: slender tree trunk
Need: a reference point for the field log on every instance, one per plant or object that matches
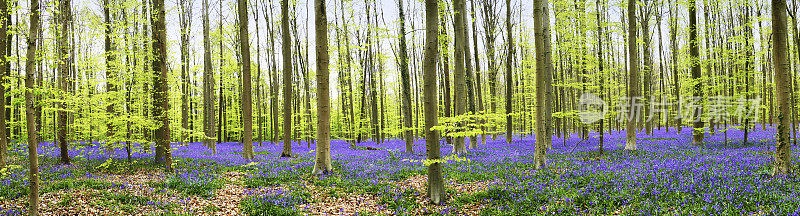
(694, 53)
(470, 79)
(436, 190)
(509, 75)
(185, 22)
(274, 86)
(780, 61)
(490, 26)
(247, 109)
(5, 72)
(160, 73)
(600, 70)
(33, 142)
(673, 33)
(445, 70)
(647, 69)
(459, 76)
(259, 116)
(547, 140)
(405, 82)
(111, 77)
(5, 42)
(633, 85)
(539, 13)
(287, 80)
(478, 77)
(322, 164)
(209, 125)
(65, 14)
(371, 58)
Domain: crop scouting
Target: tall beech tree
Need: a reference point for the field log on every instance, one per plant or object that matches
(405, 83)
(30, 116)
(542, 34)
(160, 93)
(633, 76)
(436, 191)
(780, 61)
(185, 9)
(509, 75)
(694, 55)
(287, 80)
(111, 75)
(247, 110)
(459, 74)
(322, 165)
(4, 71)
(209, 126)
(64, 63)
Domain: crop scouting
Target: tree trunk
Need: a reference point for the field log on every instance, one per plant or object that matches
(509, 74)
(694, 53)
(5, 42)
(209, 125)
(259, 116)
(33, 142)
(323, 156)
(780, 61)
(478, 77)
(541, 35)
(65, 15)
(673, 33)
(647, 69)
(405, 83)
(459, 73)
(435, 188)
(287, 80)
(470, 79)
(600, 71)
(111, 87)
(633, 85)
(247, 110)
(160, 93)
(185, 23)
(490, 26)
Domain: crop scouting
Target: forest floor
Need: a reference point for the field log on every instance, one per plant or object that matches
(667, 175)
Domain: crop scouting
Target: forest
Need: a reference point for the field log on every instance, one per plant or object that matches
(395, 107)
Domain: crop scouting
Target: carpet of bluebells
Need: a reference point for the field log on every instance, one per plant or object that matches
(667, 175)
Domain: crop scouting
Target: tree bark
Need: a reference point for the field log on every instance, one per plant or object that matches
(633, 85)
(111, 87)
(694, 53)
(160, 93)
(30, 117)
(185, 23)
(673, 33)
(435, 188)
(405, 82)
(5, 42)
(323, 156)
(247, 99)
(542, 104)
(600, 71)
(209, 125)
(509, 75)
(459, 76)
(287, 80)
(780, 61)
(65, 15)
